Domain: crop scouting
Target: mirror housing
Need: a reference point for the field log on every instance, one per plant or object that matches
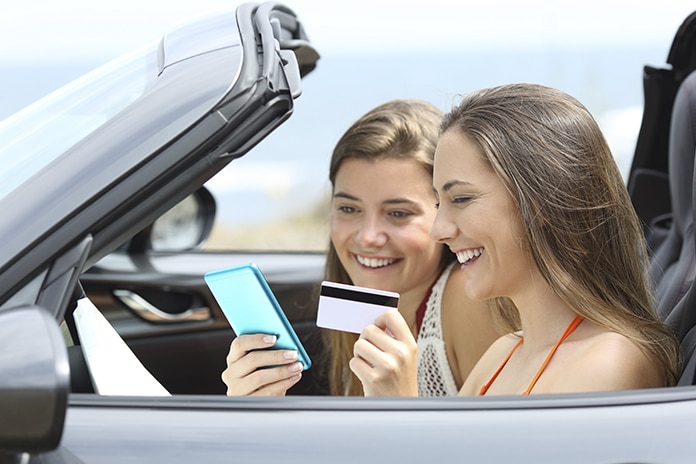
(34, 381)
(186, 226)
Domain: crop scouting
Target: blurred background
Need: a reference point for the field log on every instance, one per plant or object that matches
(276, 197)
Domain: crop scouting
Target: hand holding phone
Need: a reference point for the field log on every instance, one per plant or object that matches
(251, 307)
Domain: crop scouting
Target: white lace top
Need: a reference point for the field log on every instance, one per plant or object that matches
(434, 373)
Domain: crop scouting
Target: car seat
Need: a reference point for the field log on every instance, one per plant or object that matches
(673, 264)
(682, 318)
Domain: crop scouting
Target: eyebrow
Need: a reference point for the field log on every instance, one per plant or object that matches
(391, 201)
(346, 196)
(448, 185)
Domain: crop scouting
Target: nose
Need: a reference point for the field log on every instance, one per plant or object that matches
(371, 233)
(443, 230)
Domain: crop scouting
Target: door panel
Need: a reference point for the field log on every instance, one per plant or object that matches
(186, 346)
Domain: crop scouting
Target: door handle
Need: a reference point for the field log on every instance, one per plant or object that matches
(151, 313)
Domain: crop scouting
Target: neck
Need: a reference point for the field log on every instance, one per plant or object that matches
(543, 316)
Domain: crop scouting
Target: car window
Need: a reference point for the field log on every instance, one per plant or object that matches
(46, 129)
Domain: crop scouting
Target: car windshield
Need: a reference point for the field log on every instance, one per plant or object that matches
(34, 137)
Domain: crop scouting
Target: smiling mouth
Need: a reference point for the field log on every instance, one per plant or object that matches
(468, 256)
(374, 263)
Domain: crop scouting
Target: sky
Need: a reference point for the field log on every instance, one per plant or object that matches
(63, 29)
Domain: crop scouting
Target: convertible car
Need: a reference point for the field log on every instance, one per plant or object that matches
(105, 211)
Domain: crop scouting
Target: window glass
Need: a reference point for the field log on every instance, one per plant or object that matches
(35, 136)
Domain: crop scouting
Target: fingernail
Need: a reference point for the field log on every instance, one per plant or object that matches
(270, 339)
(296, 367)
(290, 354)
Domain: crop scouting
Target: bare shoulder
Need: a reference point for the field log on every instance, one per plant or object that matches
(489, 363)
(609, 361)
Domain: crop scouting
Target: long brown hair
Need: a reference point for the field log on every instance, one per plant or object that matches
(400, 129)
(580, 225)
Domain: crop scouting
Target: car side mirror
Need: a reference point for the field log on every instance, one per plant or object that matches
(186, 226)
(34, 381)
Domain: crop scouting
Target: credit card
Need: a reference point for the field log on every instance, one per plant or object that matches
(350, 308)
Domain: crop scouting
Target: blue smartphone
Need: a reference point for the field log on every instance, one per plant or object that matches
(251, 307)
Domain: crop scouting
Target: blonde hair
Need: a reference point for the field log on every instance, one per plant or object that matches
(579, 222)
(399, 129)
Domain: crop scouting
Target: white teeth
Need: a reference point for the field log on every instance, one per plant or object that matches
(374, 262)
(467, 255)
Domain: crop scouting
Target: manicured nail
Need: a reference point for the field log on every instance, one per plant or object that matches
(290, 354)
(270, 339)
(295, 367)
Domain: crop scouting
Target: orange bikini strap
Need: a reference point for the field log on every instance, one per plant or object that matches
(573, 325)
(485, 388)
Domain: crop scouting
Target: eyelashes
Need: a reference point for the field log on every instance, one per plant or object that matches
(461, 200)
(396, 214)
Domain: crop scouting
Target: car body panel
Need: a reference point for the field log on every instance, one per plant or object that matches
(539, 429)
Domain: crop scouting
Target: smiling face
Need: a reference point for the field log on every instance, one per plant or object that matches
(380, 219)
(478, 221)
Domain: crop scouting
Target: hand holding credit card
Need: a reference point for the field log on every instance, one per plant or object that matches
(350, 308)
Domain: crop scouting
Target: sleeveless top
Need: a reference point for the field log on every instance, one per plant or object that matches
(573, 325)
(435, 376)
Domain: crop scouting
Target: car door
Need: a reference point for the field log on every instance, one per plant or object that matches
(618, 427)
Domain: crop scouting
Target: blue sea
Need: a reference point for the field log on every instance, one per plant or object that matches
(286, 173)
